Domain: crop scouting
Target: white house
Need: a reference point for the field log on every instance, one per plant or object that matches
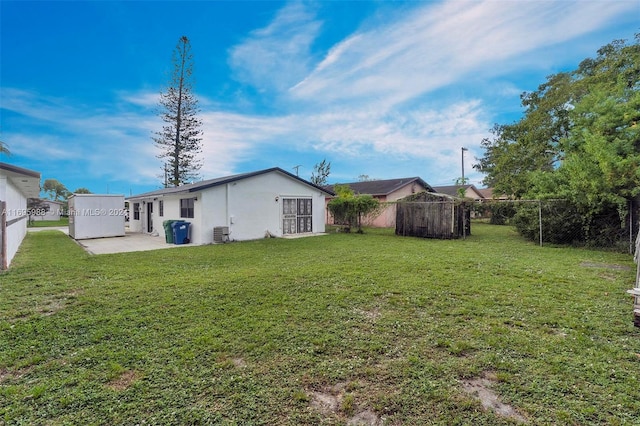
(248, 206)
(53, 211)
(16, 185)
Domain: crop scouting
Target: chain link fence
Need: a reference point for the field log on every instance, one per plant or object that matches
(561, 222)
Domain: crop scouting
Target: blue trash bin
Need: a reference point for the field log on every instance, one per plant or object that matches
(181, 232)
(168, 230)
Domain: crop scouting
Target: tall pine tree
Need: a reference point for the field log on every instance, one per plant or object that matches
(181, 137)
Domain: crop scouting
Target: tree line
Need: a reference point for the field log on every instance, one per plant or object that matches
(577, 141)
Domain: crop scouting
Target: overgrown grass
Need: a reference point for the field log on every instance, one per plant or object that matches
(64, 221)
(246, 333)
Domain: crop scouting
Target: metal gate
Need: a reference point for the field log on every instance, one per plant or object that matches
(297, 214)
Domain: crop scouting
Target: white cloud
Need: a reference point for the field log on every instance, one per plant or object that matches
(418, 134)
(435, 45)
(49, 147)
(370, 99)
(143, 98)
(231, 138)
(276, 56)
(117, 142)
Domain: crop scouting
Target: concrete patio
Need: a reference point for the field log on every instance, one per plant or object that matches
(130, 242)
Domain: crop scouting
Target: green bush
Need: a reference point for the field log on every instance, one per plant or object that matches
(501, 212)
(561, 222)
(350, 210)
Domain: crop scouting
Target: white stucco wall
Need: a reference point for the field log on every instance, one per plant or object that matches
(16, 208)
(171, 211)
(96, 216)
(134, 225)
(250, 207)
(255, 206)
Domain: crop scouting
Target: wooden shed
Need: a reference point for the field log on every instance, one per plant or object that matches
(430, 215)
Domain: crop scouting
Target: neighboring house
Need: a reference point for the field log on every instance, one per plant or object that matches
(254, 205)
(385, 191)
(55, 210)
(488, 194)
(16, 185)
(470, 191)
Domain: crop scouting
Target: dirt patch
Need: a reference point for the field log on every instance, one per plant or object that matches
(51, 307)
(480, 388)
(365, 418)
(372, 314)
(329, 399)
(330, 402)
(605, 266)
(6, 374)
(325, 402)
(56, 303)
(123, 381)
(239, 362)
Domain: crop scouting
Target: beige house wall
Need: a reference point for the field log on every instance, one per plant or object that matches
(387, 218)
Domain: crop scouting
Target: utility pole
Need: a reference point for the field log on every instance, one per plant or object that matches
(463, 149)
(296, 168)
(464, 208)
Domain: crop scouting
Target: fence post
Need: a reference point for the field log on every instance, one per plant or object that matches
(540, 219)
(631, 227)
(636, 256)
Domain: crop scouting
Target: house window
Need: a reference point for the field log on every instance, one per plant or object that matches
(187, 207)
(136, 211)
(161, 208)
(297, 215)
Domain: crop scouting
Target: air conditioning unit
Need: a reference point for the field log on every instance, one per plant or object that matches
(220, 234)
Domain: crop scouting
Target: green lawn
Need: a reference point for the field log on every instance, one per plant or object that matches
(322, 330)
(64, 221)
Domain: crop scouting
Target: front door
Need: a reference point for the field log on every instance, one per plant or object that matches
(297, 214)
(150, 217)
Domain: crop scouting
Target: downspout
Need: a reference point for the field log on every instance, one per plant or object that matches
(4, 263)
(226, 207)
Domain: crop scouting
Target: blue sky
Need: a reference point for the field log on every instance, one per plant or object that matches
(384, 89)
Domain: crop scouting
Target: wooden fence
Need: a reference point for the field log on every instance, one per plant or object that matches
(433, 219)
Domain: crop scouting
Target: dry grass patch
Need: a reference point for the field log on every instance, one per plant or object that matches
(239, 362)
(337, 401)
(371, 314)
(124, 380)
(604, 266)
(481, 389)
(7, 374)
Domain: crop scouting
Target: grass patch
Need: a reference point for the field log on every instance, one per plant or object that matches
(64, 221)
(252, 333)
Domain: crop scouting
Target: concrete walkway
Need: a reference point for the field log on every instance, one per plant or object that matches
(64, 229)
(132, 241)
